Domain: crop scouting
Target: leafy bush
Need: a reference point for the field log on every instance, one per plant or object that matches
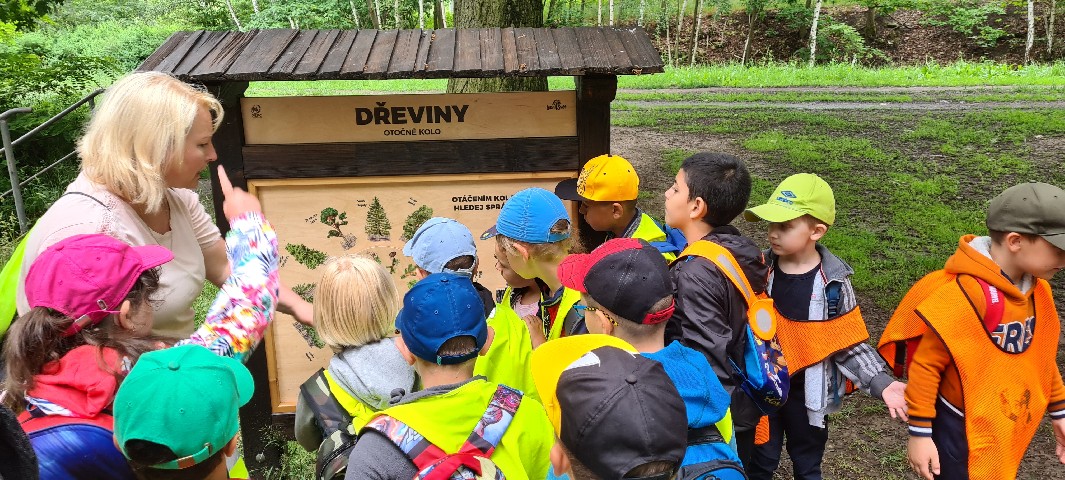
(967, 17)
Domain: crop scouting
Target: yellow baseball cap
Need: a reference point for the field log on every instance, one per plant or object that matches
(552, 358)
(606, 178)
(798, 195)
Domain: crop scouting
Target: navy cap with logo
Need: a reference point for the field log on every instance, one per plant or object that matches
(626, 276)
(620, 410)
(438, 308)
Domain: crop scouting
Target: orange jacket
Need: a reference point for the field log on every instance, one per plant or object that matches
(933, 371)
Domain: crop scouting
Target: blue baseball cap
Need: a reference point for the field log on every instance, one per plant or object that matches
(440, 307)
(440, 240)
(528, 217)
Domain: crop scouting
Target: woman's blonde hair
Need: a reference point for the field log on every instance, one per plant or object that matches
(543, 252)
(355, 303)
(138, 131)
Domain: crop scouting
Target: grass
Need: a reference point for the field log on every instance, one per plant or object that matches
(906, 186)
(958, 74)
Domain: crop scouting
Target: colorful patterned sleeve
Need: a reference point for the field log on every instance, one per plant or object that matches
(246, 303)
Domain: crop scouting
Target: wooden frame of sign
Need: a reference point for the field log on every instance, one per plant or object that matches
(294, 153)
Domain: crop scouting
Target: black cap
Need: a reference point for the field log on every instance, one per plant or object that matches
(626, 276)
(619, 411)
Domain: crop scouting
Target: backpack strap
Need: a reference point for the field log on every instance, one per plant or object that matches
(704, 435)
(330, 416)
(725, 262)
(832, 296)
(996, 308)
(482, 441)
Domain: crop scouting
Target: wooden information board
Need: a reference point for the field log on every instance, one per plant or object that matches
(317, 218)
(408, 118)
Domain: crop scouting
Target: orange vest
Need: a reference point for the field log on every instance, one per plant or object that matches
(809, 342)
(1005, 395)
(905, 328)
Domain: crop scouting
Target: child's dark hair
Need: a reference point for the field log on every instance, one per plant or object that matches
(652, 469)
(461, 345)
(143, 454)
(36, 338)
(463, 262)
(722, 181)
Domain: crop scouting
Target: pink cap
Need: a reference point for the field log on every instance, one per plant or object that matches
(86, 277)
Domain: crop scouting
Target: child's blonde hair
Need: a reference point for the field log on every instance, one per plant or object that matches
(542, 252)
(138, 131)
(355, 302)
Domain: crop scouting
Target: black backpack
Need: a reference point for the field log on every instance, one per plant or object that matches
(338, 432)
(727, 467)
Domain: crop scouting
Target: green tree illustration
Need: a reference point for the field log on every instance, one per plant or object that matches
(415, 220)
(306, 256)
(378, 227)
(334, 219)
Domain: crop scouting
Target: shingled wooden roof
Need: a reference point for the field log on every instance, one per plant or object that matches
(284, 54)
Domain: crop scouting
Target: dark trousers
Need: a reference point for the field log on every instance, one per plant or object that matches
(790, 427)
(948, 433)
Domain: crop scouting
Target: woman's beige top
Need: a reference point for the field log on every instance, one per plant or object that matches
(191, 231)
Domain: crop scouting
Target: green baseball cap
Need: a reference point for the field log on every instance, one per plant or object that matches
(1032, 208)
(184, 397)
(798, 195)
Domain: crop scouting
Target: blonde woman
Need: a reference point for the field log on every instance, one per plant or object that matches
(355, 306)
(142, 153)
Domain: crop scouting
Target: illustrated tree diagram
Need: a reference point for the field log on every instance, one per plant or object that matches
(335, 219)
(415, 220)
(378, 227)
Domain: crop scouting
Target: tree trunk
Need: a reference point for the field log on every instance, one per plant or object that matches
(498, 13)
(611, 13)
(680, 26)
(354, 13)
(750, 33)
(255, 6)
(599, 20)
(870, 23)
(639, 20)
(550, 11)
(233, 14)
(669, 46)
(1031, 33)
(375, 16)
(1050, 29)
(395, 14)
(439, 19)
(697, 21)
(813, 34)
(421, 14)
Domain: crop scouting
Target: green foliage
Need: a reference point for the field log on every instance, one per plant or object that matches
(305, 291)
(334, 219)
(321, 14)
(840, 42)
(415, 221)
(24, 14)
(967, 17)
(306, 256)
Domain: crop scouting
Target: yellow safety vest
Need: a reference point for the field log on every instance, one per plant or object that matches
(446, 421)
(360, 412)
(569, 299)
(507, 359)
(648, 230)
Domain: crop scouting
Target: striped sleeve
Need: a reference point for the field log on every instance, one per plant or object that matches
(247, 302)
(920, 426)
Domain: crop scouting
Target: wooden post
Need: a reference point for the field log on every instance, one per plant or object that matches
(594, 94)
(260, 452)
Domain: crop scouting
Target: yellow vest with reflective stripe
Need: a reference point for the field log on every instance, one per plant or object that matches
(446, 420)
(569, 299)
(648, 230)
(360, 412)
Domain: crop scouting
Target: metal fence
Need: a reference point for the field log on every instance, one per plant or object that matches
(9, 152)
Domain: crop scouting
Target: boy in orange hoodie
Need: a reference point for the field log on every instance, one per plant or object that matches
(984, 371)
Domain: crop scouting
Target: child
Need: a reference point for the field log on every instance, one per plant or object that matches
(91, 318)
(355, 305)
(985, 371)
(442, 331)
(820, 329)
(711, 190)
(618, 412)
(628, 292)
(176, 413)
(522, 296)
(445, 245)
(607, 188)
(533, 234)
